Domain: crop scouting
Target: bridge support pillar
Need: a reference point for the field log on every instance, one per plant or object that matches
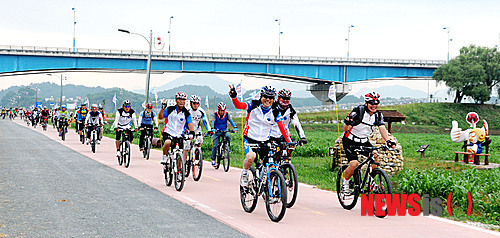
(320, 91)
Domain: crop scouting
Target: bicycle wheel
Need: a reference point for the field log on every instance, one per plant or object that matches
(147, 148)
(218, 157)
(348, 201)
(275, 194)
(63, 134)
(187, 166)
(92, 143)
(179, 172)
(120, 156)
(126, 154)
(291, 182)
(226, 160)
(382, 185)
(197, 164)
(167, 171)
(248, 195)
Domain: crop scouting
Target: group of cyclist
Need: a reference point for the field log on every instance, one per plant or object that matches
(267, 120)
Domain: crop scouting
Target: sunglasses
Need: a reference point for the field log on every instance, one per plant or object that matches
(196, 103)
(268, 97)
(126, 106)
(285, 98)
(373, 102)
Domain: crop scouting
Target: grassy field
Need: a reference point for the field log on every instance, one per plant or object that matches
(432, 175)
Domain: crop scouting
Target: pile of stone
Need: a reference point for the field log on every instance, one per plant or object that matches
(390, 161)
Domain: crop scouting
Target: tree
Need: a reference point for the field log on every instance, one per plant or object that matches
(474, 73)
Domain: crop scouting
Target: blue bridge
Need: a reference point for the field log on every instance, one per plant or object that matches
(320, 72)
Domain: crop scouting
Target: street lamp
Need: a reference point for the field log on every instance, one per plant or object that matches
(169, 32)
(148, 72)
(348, 45)
(74, 26)
(348, 39)
(279, 37)
(449, 39)
(60, 98)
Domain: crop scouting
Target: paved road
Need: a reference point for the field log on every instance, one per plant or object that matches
(49, 190)
(317, 213)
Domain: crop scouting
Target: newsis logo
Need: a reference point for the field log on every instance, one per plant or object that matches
(400, 204)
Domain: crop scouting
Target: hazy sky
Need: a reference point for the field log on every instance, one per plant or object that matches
(382, 29)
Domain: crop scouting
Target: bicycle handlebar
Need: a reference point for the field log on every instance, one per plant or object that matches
(360, 148)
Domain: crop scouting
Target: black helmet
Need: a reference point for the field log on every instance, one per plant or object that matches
(126, 103)
(268, 91)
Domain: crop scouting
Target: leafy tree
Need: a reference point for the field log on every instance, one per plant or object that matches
(475, 72)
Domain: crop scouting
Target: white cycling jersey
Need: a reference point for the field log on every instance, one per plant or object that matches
(124, 119)
(94, 118)
(197, 116)
(260, 121)
(289, 116)
(176, 121)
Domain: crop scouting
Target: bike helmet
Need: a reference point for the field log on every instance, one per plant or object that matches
(372, 98)
(181, 95)
(83, 104)
(100, 106)
(268, 91)
(126, 103)
(195, 99)
(63, 106)
(221, 106)
(149, 106)
(93, 106)
(285, 94)
(45, 107)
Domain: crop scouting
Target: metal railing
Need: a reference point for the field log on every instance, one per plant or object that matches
(173, 55)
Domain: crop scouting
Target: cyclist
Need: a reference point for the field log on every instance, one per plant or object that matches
(4, 112)
(35, 117)
(80, 115)
(358, 125)
(93, 118)
(176, 118)
(54, 116)
(104, 117)
(197, 115)
(219, 122)
(262, 115)
(146, 118)
(123, 119)
(64, 117)
(289, 116)
(44, 115)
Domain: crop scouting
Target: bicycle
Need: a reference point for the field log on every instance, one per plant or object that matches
(289, 172)
(270, 184)
(124, 157)
(195, 158)
(44, 123)
(148, 141)
(175, 162)
(63, 124)
(223, 151)
(84, 133)
(28, 120)
(378, 184)
(94, 136)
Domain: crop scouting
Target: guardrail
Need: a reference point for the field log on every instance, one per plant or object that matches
(40, 49)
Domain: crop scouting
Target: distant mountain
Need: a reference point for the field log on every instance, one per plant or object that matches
(396, 91)
(106, 99)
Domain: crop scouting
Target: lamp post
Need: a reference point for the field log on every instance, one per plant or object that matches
(348, 39)
(449, 39)
(169, 32)
(148, 72)
(74, 26)
(348, 45)
(279, 37)
(60, 97)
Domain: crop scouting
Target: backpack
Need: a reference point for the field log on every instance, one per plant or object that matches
(358, 113)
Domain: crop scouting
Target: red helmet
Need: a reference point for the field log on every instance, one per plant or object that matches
(472, 118)
(181, 95)
(372, 98)
(149, 106)
(285, 94)
(195, 99)
(221, 106)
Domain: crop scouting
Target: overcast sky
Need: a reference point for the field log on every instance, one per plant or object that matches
(382, 29)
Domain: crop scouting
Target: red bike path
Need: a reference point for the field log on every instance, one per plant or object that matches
(317, 213)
